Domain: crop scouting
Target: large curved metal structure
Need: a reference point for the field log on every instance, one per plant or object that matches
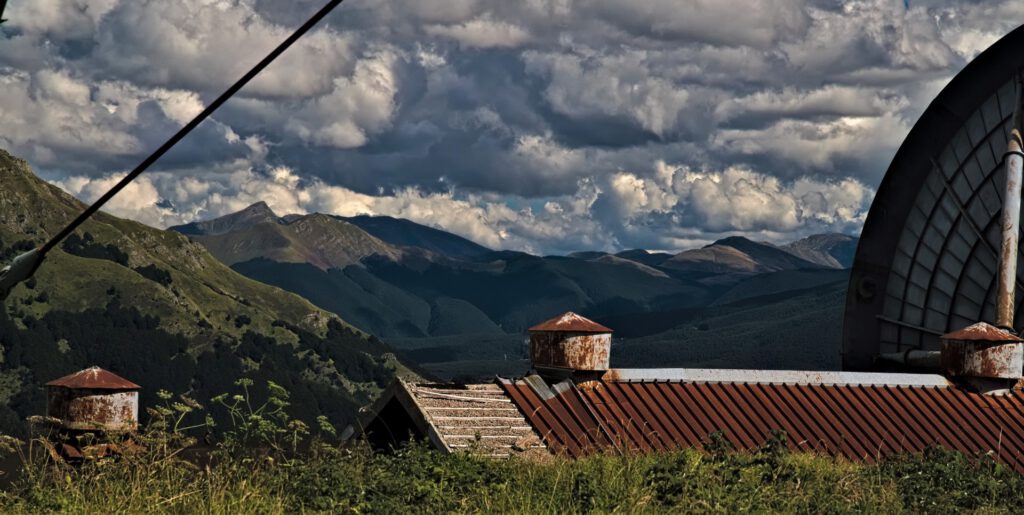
(927, 261)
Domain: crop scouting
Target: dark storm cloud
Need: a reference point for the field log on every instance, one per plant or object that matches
(544, 125)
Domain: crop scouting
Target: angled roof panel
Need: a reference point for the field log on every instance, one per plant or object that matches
(477, 418)
(862, 422)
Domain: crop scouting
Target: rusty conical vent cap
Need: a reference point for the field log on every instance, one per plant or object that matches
(94, 378)
(982, 332)
(572, 323)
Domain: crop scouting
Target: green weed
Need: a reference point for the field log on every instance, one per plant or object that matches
(264, 462)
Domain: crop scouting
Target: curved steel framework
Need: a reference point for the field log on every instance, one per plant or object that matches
(927, 261)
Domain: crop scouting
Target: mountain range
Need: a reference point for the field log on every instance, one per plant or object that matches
(305, 301)
(438, 295)
(159, 309)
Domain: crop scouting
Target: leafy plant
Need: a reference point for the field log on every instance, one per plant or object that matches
(265, 426)
(262, 462)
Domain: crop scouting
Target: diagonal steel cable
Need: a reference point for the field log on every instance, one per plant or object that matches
(23, 266)
(184, 131)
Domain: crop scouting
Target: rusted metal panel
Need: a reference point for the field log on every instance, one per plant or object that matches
(554, 431)
(858, 422)
(94, 400)
(982, 350)
(95, 378)
(94, 409)
(570, 322)
(982, 332)
(570, 350)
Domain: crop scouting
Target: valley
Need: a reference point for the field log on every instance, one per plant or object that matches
(460, 310)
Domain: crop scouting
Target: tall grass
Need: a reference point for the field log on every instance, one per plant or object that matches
(268, 467)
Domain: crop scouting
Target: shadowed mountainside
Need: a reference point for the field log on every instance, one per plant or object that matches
(405, 233)
(459, 308)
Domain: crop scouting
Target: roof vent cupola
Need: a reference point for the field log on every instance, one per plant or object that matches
(986, 356)
(570, 344)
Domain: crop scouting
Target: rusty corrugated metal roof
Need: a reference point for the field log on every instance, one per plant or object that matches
(571, 322)
(94, 378)
(982, 331)
(859, 422)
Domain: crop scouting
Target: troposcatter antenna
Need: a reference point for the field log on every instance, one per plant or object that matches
(26, 264)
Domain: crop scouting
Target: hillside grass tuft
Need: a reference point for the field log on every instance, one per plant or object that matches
(267, 462)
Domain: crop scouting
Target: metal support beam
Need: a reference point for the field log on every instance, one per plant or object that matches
(1013, 161)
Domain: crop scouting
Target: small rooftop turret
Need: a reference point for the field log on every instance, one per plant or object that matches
(93, 400)
(570, 344)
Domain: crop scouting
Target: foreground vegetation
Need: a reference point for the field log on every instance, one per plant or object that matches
(268, 463)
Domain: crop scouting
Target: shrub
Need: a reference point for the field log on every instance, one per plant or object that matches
(155, 274)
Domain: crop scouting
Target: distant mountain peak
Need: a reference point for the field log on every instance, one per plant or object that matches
(834, 250)
(738, 254)
(323, 241)
(258, 208)
(254, 214)
(738, 242)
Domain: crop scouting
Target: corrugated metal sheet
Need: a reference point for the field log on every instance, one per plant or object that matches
(855, 421)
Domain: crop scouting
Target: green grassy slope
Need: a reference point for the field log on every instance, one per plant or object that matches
(201, 288)
(319, 240)
(159, 309)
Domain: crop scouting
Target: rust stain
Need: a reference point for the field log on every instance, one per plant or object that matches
(982, 332)
(982, 350)
(575, 351)
(93, 399)
(982, 359)
(570, 322)
(95, 378)
(88, 409)
(1006, 277)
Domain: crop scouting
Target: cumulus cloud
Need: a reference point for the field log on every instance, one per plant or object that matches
(185, 43)
(619, 85)
(52, 114)
(819, 145)
(608, 215)
(482, 33)
(711, 21)
(734, 200)
(355, 107)
(542, 125)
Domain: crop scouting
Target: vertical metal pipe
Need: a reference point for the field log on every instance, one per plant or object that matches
(1013, 161)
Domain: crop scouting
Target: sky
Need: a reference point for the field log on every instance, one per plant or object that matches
(546, 126)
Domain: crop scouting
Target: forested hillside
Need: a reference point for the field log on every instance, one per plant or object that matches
(160, 310)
